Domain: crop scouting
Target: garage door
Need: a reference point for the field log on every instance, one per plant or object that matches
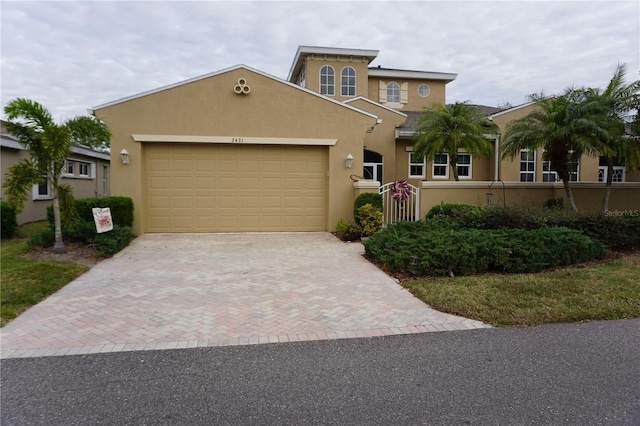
(234, 188)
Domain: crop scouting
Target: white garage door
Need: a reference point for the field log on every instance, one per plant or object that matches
(234, 188)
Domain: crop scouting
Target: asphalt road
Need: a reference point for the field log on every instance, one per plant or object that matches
(574, 374)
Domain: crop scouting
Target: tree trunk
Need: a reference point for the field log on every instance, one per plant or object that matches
(58, 246)
(567, 191)
(454, 168)
(607, 188)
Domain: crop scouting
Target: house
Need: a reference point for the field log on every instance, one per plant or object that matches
(241, 150)
(86, 170)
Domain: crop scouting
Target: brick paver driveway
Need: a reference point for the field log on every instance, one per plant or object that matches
(191, 290)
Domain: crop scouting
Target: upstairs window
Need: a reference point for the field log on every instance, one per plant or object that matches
(393, 92)
(441, 166)
(416, 166)
(348, 81)
(463, 166)
(527, 165)
(327, 80)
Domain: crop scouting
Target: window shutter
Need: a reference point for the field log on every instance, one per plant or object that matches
(383, 91)
(404, 93)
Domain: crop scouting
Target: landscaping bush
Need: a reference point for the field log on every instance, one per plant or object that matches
(370, 219)
(366, 198)
(466, 215)
(616, 232)
(436, 248)
(110, 243)
(347, 231)
(44, 238)
(8, 220)
(121, 209)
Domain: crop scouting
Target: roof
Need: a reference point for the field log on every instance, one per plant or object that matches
(304, 51)
(411, 74)
(7, 140)
(205, 76)
(409, 127)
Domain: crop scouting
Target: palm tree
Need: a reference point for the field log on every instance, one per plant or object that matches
(448, 129)
(49, 145)
(566, 126)
(618, 100)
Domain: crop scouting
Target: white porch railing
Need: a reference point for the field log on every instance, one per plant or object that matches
(400, 201)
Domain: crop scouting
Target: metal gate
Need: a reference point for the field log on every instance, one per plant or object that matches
(400, 201)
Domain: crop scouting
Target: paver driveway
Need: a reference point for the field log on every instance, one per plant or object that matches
(190, 290)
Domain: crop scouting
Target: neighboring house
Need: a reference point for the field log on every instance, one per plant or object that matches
(241, 150)
(86, 170)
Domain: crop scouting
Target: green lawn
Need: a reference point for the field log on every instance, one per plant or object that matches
(597, 292)
(25, 282)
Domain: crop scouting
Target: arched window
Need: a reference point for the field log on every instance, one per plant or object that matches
(393, 92)
(348, 81)
(327, 80)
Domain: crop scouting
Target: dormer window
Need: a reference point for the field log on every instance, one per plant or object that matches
(327, 80)
(348, 81)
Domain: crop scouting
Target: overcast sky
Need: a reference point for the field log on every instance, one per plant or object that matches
(72, 56)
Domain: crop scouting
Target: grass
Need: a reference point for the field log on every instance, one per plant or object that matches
(601, 291)
(25, 282)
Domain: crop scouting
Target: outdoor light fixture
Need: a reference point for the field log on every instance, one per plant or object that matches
(124, 156)
(349, 161)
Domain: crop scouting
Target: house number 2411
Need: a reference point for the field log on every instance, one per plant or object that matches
(237, 140)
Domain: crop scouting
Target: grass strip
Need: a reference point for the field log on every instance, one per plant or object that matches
(596, 292)
(25, 282)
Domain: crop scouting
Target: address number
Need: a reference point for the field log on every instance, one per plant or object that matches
(237, 140)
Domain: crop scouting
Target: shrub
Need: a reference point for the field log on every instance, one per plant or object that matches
(438, 248)
(347, 231)
(554, 204)
(370, 219)
(44, 238)
(8, 220)
(366, 198)
(121, 209)
(466, 215)
(110, 243)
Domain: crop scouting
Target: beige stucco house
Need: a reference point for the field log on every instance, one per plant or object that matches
(86, 170)
(241, 150)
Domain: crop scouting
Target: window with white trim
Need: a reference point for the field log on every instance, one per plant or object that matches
(68, 168)
(393, 92)
(42, 191)
(105, 181)
(348, 81)
(440, 166)
(327, 80)
(549, 173)
(416, 166)
(463, 166)
(527, 165)
(84, 169)
(618, 170)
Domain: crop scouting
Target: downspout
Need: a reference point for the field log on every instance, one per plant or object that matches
(496, 158)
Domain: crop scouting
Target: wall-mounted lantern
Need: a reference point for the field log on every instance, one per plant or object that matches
(124, 156)
(349, 161)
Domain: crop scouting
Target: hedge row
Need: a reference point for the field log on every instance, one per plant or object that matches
(431, 248)
(121, 209)
(616, 232)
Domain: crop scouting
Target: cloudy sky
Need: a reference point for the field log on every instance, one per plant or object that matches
(74, 55)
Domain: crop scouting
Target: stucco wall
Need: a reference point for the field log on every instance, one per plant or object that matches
(210, 107)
